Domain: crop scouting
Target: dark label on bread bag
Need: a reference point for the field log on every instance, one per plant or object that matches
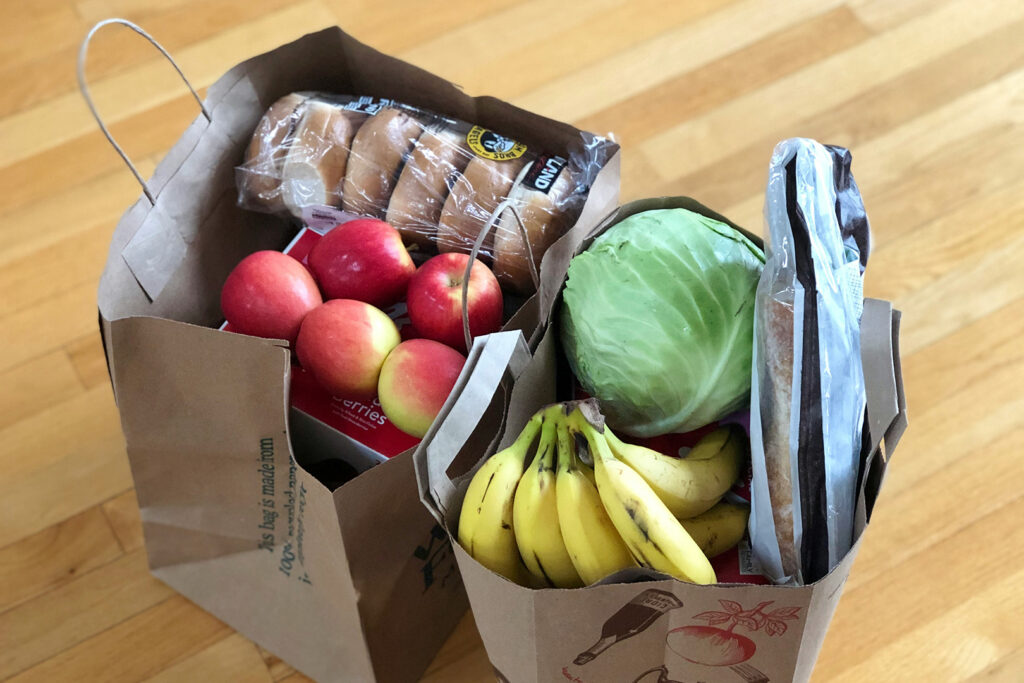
(544, 172)
(367, 105)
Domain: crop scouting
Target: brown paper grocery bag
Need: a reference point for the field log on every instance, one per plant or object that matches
(637, 626)
(357, 584)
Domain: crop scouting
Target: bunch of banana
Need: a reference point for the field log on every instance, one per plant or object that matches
(594, 545)
(691, 484)
(485, 523)
(552, 520)
(535, 518)
(719, 529)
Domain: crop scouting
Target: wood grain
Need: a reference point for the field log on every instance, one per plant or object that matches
(926, 93)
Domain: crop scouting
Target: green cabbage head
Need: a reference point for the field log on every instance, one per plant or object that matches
(657, 320)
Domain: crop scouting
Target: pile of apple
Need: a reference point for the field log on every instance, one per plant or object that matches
(331, 314)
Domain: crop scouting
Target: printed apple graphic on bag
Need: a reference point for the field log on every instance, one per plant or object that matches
(714, 646)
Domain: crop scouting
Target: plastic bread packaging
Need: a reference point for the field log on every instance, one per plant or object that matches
(438, 180)
(807, 394)
(298, 155)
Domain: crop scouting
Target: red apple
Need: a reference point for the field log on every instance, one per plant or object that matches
(363, 260)
(435, 300)
(343, 343)
(268, 294)
(415, 382)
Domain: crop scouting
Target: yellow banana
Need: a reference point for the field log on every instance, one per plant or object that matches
(595, 547)
(650, 531)
(692, 484)
(720, 528)
(485, 521)
(535, 517)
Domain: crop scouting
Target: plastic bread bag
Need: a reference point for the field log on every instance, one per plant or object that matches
(299, 152)
(436, 179)
(807, 394)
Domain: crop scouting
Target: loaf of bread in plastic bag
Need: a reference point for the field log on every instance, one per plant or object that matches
(438, 180)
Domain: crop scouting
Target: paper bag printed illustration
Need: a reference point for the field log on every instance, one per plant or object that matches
(715, 646)
(634, 617)
(649, 676)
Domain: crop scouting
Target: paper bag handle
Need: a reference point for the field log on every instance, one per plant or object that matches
(491, 222)
(84, 88)
(492, 358)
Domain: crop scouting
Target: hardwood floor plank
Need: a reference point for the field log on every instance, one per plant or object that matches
(1006, 670)
(77, 461)
(903, 527)
(462, 658)
(97, 206)
(38, 631)
(55, 556)
(631, 72)
(176, 25)
(89, 360)
(37, 330)
(968, 638)
(36, 385)
(564, 37)
(934, 154)
(141, 646)
(967, 228)
(957, 425)
(955, 422)
(122, 513)
(899, 601)
(703, 89)
(52, 25)
(152, 83)
(386, 26)
(93, 11)
(730, 128)
(234, 658)
(278, 668)
(38, 276)
(883, 15)
(974, 353)
(63, 427)
(936, 314)
(860, 120)
(499, 36)
(90, 156)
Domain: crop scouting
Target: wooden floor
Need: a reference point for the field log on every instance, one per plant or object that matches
(929, 95)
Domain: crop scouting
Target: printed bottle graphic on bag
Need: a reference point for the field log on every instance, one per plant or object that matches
(634, 617)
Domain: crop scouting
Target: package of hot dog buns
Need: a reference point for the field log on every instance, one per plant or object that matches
(808, 391)
(436, 179)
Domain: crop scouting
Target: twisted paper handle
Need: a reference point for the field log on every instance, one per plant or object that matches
(84, 88)
(505, 204)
